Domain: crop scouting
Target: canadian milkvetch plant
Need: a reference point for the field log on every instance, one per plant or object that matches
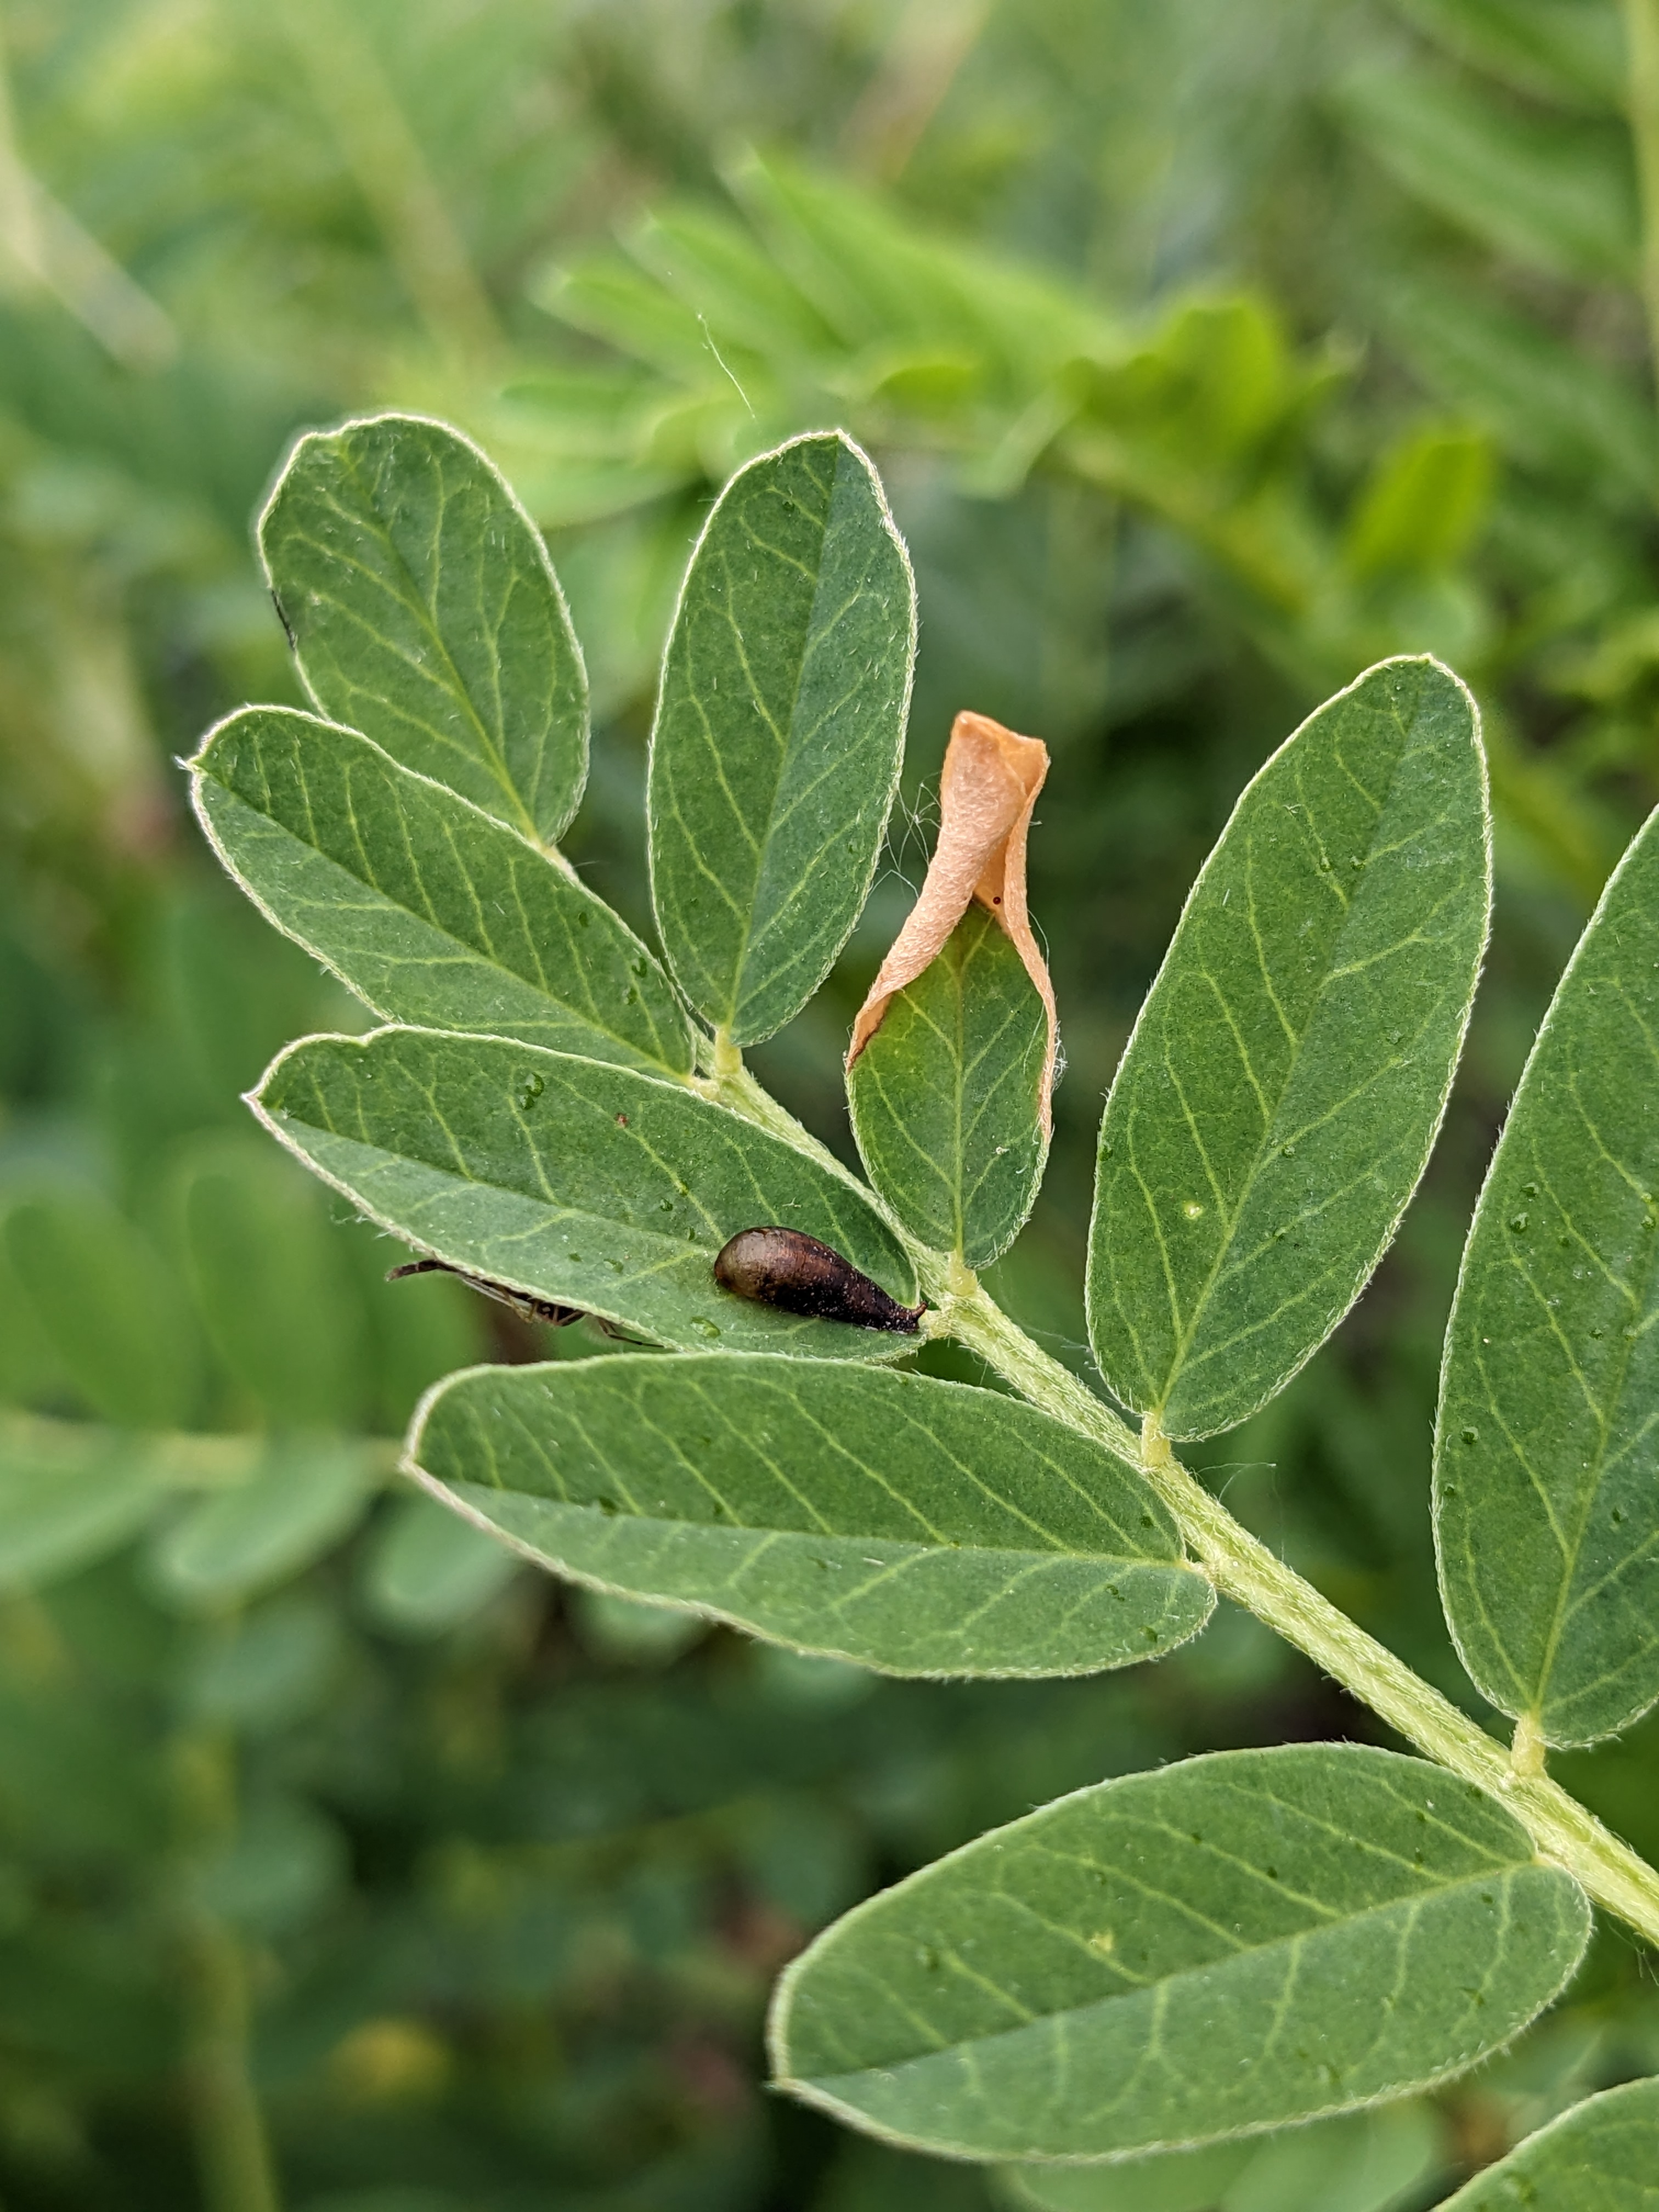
(1155, 1969)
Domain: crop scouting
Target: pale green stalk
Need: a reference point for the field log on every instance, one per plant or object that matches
(1244, 1570)
(233, 2151)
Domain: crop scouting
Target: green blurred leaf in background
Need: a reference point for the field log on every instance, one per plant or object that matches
(1208, 355)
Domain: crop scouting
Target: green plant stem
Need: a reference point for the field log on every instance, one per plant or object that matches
(1641, 100)
(1243, 1569)
(233, 2152)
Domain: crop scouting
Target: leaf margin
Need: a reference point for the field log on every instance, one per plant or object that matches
(887, 1349)
(266, 507)
(434, 1485)
(548, 855)
(896, 535)
(1484, 783)
(781, 2079)
(1639, 846)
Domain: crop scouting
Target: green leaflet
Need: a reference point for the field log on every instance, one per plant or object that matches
(780, 729)
(587, 1184)
(945, 1097)
(1227, 1946)
(1569, 56)
(272, 1281)
(114, 1313)
(1547, 1514)
(70, 1494)
(1356, 2162)
(432, 911)
(424, 1575)
(296, 1505)
(916, 1526)
(1603, 2156)
(1278, 1100)
(1557, 195)
(423, 611)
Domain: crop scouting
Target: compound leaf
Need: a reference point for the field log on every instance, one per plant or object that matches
(1231, 1945)
(1601, 2156)
(572, 1181)
(779, 732)
(1278, 1098)
(1546, 1510)
(423, 611)
(432, 911)
(916, 1526)
(946, 1097)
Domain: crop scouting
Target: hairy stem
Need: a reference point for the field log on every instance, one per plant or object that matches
(1244, 1569)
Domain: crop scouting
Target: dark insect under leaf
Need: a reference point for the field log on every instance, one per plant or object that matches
(523, 1304)
(788, 1268)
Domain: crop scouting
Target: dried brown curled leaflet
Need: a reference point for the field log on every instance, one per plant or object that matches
(785, 1267)
(988, 790)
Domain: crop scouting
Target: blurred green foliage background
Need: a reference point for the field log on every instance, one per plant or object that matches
(1208, 353)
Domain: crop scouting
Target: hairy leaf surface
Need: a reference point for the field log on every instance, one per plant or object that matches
(1233, 1944)
(946, 1097)
(1278, 1098)
(1547, 1506)
(432, 911)
(423, 611)
(779, 732)
(1603, 2156)
(915, 1525)
(572, 1181)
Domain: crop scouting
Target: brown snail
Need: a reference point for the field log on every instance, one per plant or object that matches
(788, 1268)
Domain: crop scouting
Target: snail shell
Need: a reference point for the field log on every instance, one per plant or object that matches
(785, 1267)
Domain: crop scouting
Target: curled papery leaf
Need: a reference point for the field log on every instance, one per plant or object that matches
(986, 793)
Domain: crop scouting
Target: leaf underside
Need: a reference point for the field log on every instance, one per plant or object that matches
(912, 1525)
(1601, 2156)
(585, 1184)
(1546, 1512)
(1278, 1101)
(423, 611)
(432, 911)
(947, 1095)
(1357, 2162)
(1231, 1945)
(779, 728)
